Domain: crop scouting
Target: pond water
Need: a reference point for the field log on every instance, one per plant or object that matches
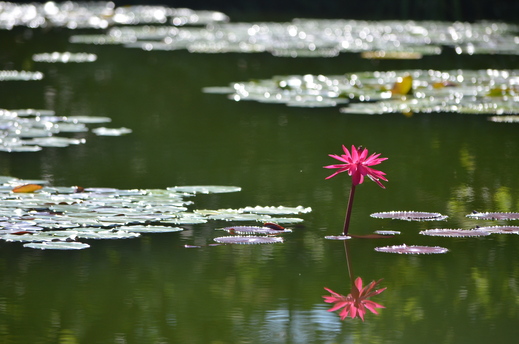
(152, 289)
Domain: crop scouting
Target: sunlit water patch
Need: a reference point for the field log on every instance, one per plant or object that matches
(406, 91)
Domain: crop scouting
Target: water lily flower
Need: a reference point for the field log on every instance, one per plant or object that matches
(356, 303)
(356, 164)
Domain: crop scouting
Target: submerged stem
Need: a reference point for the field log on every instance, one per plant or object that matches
(348, 260)
(348, 211)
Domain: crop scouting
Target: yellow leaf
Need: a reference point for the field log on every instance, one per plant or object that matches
(403, 86)
(27, 188)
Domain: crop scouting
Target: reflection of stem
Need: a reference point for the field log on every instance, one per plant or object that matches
(348, 260)
(348, 211)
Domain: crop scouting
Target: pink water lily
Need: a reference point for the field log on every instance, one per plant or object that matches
(356, 164)
(356, 303)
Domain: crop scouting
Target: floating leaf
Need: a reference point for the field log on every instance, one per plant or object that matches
(455, 232)
(27, 188)
(403, 86)
(337, 237)
(494, 216)
(500, 229)
(404, 249)
(504, 119)
(205, 189)
(254, 230)
(382, 232)
(107, 234)
(281, 210)
(391, 55)
(410, 216)
(248, 240)
(64, 57)
(60, 245)
(102, 131)
(150, 229)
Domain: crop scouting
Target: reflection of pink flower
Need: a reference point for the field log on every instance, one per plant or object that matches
(356, 303)
(356, 164)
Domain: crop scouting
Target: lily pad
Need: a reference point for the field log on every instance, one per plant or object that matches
(494, 216)
(281, 210)
(107, 234)
(64, 57)
(455, 232)
(102, 131)
(150, 229)
(248, 240)
(500, 229)
(254, 230)
(205, 189)
(337, 237)
(388, 232)
(61, 245)
(410, 216)
(404, 249)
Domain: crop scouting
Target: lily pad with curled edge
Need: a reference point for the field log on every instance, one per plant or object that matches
(500, 229)
(60, 245)
(281, 210)
(404, 249)
(455, 232)
(254, 230)
(410, 216)
(248, 240)
(150, 229)
(494, 216)
(107, 234)
(205, 189)
(102, 131)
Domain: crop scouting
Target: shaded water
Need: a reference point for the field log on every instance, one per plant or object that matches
(153, 290)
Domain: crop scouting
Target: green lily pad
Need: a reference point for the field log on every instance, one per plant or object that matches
(205, 189)
(61, 245)
(150, 229)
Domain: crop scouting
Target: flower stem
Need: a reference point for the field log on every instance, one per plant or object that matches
(348, 211)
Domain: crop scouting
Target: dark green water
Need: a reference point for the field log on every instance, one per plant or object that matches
(153, 290)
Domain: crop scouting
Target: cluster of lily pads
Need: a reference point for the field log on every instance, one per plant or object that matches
(429, 91)
(29, 130)
(319, 38)
(98, 15)
(443, 232)
(63, 218)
